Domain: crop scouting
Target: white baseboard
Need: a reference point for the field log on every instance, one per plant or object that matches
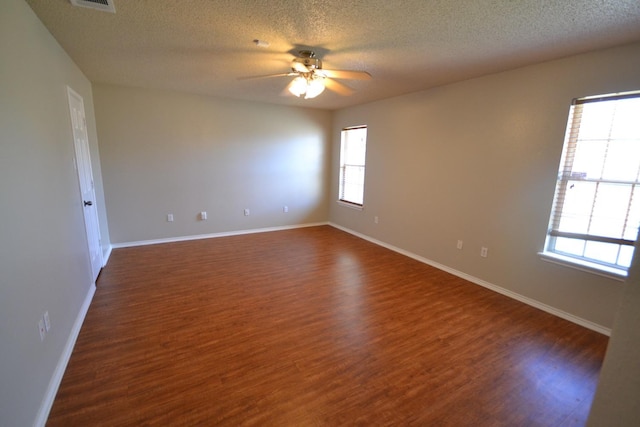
(106, 256)
(56, 379)
(529, 301)
(213, 235)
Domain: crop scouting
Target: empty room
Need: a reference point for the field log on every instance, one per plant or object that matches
(319, 213)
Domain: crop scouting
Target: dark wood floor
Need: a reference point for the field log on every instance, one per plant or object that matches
(315, 327)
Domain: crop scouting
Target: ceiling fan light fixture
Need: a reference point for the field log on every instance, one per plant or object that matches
(310, 87)
(298, 86)
(315, 86)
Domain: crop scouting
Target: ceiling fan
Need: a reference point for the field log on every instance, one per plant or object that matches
(310, 79)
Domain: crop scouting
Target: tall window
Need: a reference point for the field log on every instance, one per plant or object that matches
(353, 148)
(596, 212)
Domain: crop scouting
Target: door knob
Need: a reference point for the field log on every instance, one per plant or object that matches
(88, 203)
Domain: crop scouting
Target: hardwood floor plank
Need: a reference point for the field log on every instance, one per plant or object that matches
(315, 327)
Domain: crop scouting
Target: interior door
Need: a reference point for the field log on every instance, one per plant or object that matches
(85, 178)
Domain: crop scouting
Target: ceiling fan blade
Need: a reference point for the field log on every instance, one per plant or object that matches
(338, 87)
(267, 76)
(346, 74)
(299, 67)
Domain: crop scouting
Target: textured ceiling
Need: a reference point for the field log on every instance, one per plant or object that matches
(204, 46)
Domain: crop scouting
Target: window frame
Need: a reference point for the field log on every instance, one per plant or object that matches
(343, 167)
(566, 175)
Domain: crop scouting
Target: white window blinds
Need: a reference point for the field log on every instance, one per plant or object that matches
(596, 211)
(353, 149)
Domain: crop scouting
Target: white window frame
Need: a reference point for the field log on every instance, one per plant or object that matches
(561, 222)
(353, 148)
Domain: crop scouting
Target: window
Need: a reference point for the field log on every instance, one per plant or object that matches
(353, 147)
(596, 211)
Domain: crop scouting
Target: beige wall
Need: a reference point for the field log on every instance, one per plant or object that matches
(165, 152)
(437, 162)
(43, 252)
(477, 161)
(616, 402)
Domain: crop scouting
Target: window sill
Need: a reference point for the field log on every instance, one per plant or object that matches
(589, 267)
(350, 205)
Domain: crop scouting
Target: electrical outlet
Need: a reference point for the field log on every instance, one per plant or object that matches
(459, 244)
(169, 217)
(247, 212)
(484, 252)
(41, 329)
(375, 219)
(47, 321)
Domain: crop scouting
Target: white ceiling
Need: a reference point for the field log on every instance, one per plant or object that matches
(204, 46)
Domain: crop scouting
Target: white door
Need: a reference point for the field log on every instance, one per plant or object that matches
(85, 177)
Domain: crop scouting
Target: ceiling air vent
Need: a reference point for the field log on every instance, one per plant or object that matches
(103, 5)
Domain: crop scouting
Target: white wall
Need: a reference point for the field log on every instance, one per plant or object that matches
(616, 401)
(43, 252)
(166, 152)
(477, 161)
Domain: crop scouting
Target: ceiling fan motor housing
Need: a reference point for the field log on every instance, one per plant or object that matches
(308, 59)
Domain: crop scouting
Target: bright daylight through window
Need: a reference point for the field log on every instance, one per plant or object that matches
(353, 148)
(596, 211)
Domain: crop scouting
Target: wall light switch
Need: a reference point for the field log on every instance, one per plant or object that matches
(169, 217)
(247, 212)
(285, 209)
(203, 216)
(484, 252)
(459, 245)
